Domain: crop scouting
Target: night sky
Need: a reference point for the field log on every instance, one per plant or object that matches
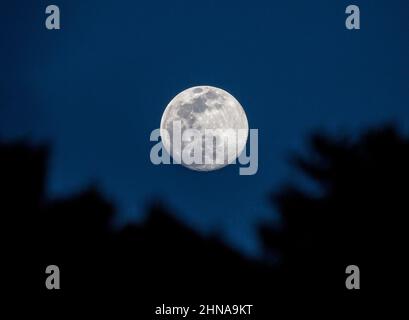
(95, 90)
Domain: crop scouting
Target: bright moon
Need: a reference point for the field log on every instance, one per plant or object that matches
(206, 108)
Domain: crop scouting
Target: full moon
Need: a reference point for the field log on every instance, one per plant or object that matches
(205, 109)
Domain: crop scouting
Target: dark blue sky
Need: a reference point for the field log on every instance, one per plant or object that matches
(95, 89)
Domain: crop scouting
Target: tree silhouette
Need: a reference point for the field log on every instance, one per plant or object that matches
(158, 260)
(357, 219)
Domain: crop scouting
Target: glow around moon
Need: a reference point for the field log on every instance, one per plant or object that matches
(205, 109)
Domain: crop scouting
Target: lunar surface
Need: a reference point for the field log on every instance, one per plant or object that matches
(219, 125)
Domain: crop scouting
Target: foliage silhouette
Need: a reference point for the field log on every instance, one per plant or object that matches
(357, 219)
(158, 260)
